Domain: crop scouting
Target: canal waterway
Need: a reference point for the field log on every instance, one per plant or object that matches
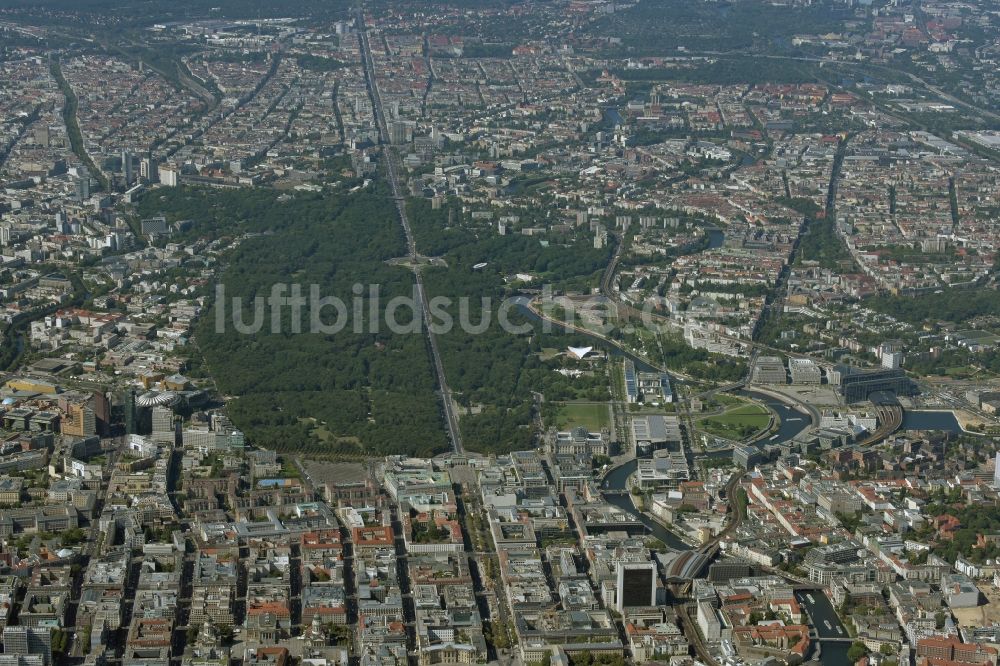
(829, 629)
(792, 421)
(931, 420)
(617, 480)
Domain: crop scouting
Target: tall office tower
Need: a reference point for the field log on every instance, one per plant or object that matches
(636, 585)
(398, 132)
(168, 175)
(131, 413)
(102, 412)
(892, 360)
(83, 184)
(80, 420)
(163, 424)
(127, 167)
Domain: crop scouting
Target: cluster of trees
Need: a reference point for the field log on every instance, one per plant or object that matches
(949, 305)
(975, 520)
(431, 231)
(487, 50)
(72, 537)
(493, 370)
(72, 126)
(910, 254)
(727, 71)
(219, 214)
(98, 12)
(363, 388)
(851, 522)
(672, 352)
(826, 123)
(807, 207)
(427, 532)
(658, 27)
(346, 423)
(948, 360)
(588, 659)
(498, 634)
(319, 63)
(856, 652)
(496, 370)
(820, 243)
(60, 641)
(369, 392)
(730, 430)
(464, 246)
(702, 243)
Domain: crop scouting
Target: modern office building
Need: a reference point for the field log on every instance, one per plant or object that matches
(79, 420)
(657, 430)
(708, 621)
(163, 424)
(400, 132)
(892, 360)
(804, 371)
(666, 469)
(153, 225)
(655, 387)
(769, 370)
(636, 586)
(127, 174)
(843, 552)
(131, 413)
(729, 568)
(83, 185)
(746, 457)
(631, 382)
(168, 175)
(857, 385)
(23, 641)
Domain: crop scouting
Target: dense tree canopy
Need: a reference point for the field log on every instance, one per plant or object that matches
(344, 392)
(949, 305)
(495, 372)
